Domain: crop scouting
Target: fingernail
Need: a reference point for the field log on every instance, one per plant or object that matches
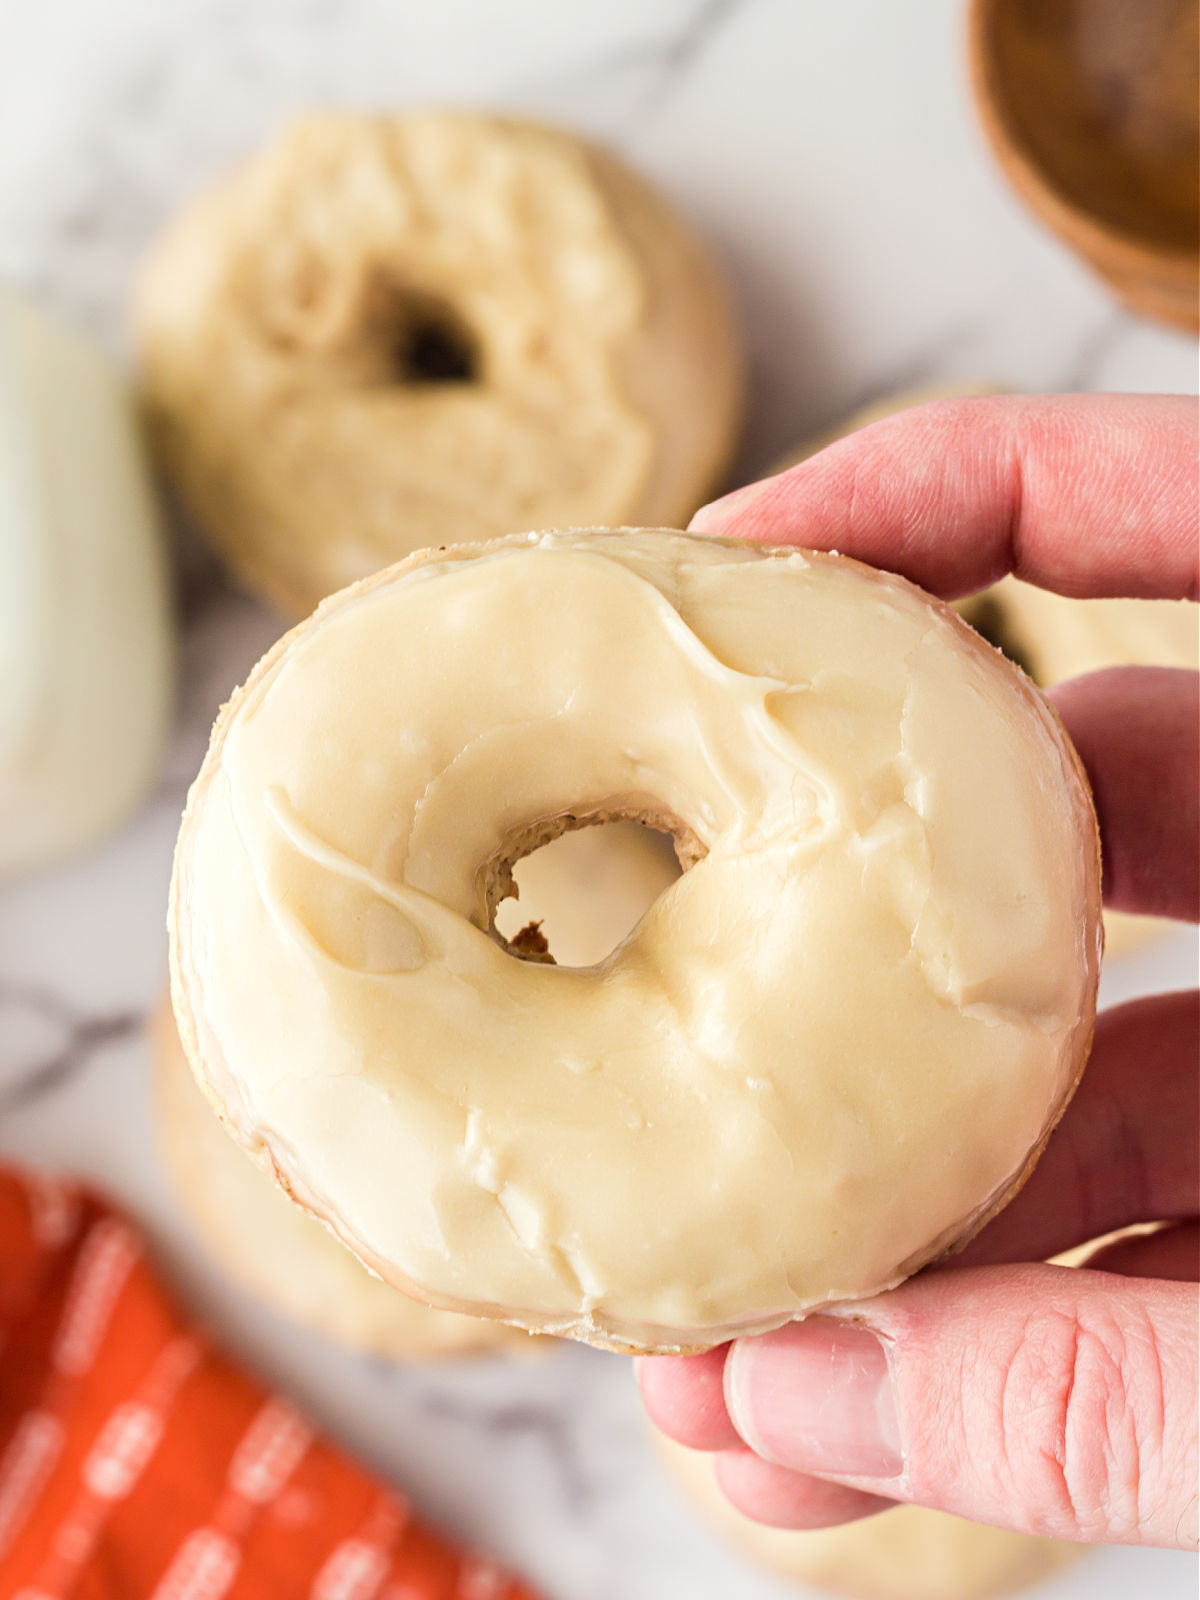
(816, 1396)
(716, 516)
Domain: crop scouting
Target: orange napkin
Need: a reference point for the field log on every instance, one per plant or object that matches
(139, 1463)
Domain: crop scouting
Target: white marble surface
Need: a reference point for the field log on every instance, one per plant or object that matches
(829, 154)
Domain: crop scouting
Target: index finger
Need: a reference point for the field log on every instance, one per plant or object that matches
(1084, 494)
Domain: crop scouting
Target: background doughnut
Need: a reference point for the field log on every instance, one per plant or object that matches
(382, 334)
(908, 1553)
(1050, 636)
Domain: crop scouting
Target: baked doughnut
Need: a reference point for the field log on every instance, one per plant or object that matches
(383, 334)
(826, 1054)
(277, 1252)
(85, 627)
(905, 1554)
(1049, 635)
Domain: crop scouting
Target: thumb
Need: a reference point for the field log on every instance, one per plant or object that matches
(1055, 1401)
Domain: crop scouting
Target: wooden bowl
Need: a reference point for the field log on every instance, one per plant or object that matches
(1091, 107)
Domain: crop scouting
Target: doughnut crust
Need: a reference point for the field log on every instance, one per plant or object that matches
(382, 334)
(908, 1553)
(279, 1253)
(825, 1055)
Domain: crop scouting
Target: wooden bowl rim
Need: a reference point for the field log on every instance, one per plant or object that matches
(1122, 250)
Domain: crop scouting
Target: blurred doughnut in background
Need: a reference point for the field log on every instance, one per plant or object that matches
(1049, 635)
(385, 334)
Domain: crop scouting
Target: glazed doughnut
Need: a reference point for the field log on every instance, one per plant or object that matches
(908, 1553)
(277, 1252)
(826, 1054)
(383, 334)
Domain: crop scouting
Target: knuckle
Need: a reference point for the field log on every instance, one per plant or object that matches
(1079, 1416)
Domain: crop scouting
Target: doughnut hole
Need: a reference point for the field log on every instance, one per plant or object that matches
(584, 892)
(373, 330)
(431, 344)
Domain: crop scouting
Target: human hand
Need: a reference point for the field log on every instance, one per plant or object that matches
(1051, 1400)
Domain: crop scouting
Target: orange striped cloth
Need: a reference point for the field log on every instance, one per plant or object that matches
(137, 1462)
